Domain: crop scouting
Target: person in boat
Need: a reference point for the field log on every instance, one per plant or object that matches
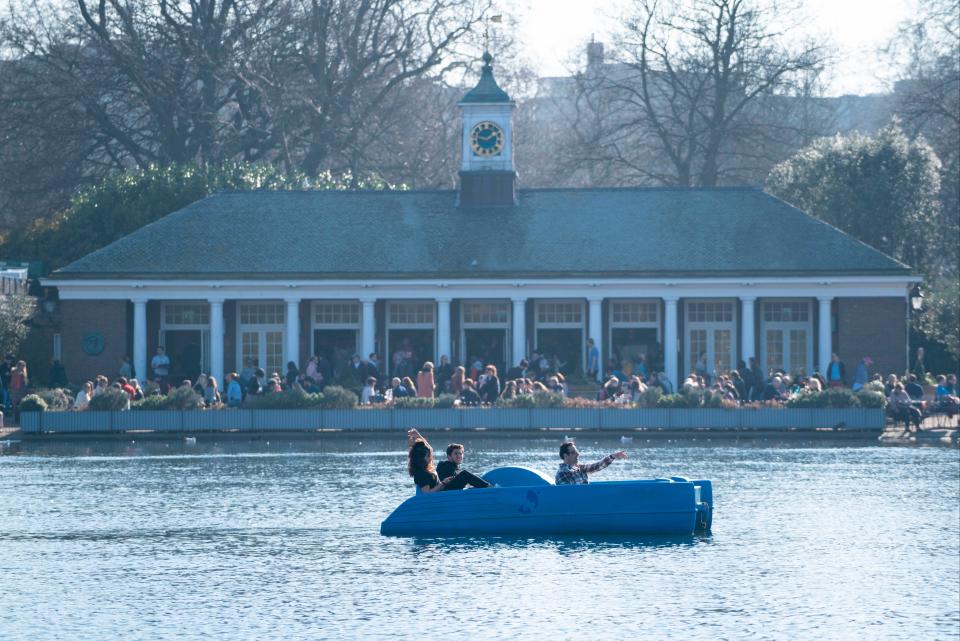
(572, 472)
(420, 467)
(451, 467)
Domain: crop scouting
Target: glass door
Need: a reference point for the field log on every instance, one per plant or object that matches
(265, 348)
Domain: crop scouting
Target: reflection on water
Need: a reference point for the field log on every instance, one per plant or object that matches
(568, 545)
(233, 537)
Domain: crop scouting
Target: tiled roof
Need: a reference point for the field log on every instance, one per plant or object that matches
(550, 233)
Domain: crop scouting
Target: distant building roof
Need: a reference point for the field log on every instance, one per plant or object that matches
(487, 89)
(551, 233)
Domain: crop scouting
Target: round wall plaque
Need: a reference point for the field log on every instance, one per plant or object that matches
(93, 343)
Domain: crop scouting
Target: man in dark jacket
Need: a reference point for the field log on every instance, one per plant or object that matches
(451, 467)
(914, 389)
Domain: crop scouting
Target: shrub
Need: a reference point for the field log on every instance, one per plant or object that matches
(832, 398)
(110, 400)
(32, 403)
(415, 403)
(874, 386)
(673, 401)
(151, 403)
(576, 402)
(650, 396)
(291, 399)
(446, 401)
(337, 398)
(870, 398)
(546, 400)
(520, 402)
(57, 399)
(181, 398)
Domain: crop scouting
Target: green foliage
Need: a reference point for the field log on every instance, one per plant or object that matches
(32, 403)
(521, 401)
(414, 403)
(672, 401)
(871, 398)
(882, 190)
(651, 396)
(127, 201)
(537, 400)
(291, 399)
(109, 400)
(446, 401)
(57, 399)
(15, 310)
(181, 398)
(338, 398)
(874, 386)
(830, 398)
(940, 319)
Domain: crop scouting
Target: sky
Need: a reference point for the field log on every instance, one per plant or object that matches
(555, 30)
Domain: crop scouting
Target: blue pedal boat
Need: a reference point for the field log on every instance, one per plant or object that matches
(525, 502)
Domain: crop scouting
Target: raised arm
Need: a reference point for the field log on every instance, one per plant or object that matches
(602, 463)
(412, 436)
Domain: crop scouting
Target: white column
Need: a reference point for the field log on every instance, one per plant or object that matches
(368, 329)
(595, 331)
(216, 340)
(747, 323)
(825, 348)
(140, 339)
(670, 340)
(443, 328)
(519, 330)
(292, 349)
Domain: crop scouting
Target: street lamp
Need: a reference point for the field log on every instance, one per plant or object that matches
(916, 298)
(915, 306)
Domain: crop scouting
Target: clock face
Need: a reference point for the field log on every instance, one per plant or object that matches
(486, 139)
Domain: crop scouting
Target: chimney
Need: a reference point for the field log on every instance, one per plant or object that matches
(594, 53)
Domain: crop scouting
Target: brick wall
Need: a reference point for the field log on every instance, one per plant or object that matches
(874, 327)
(82, 317)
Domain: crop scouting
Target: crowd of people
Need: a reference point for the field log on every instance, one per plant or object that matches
(483, 384)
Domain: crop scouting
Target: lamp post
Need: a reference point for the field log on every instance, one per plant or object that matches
(914, 306)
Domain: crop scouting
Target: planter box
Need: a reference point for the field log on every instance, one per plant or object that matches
(495, 419)
(703, 418)
(619, 419)
(468, 418)
(425, 419)
(30, 422)
(156, 420)
(774, 418)
(85, 421)
(217, 420)
(858, 418)
(285, 420)
(357, 419)
(586, 419)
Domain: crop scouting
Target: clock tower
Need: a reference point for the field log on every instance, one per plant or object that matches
(487, 174)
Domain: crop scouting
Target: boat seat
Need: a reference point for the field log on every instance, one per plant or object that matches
(516, 476)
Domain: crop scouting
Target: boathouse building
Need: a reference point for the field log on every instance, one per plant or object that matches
(486, 270)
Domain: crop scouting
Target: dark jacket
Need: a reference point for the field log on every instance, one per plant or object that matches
(469, 396)
(446, 468)
(490, 391)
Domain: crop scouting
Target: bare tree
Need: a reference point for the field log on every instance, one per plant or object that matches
(695, 94)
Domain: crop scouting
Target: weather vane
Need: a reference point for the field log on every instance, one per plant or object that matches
(486, 30)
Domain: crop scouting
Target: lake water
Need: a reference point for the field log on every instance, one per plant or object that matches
(278, 539)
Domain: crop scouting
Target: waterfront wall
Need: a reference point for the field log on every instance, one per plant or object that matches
(242, 420)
